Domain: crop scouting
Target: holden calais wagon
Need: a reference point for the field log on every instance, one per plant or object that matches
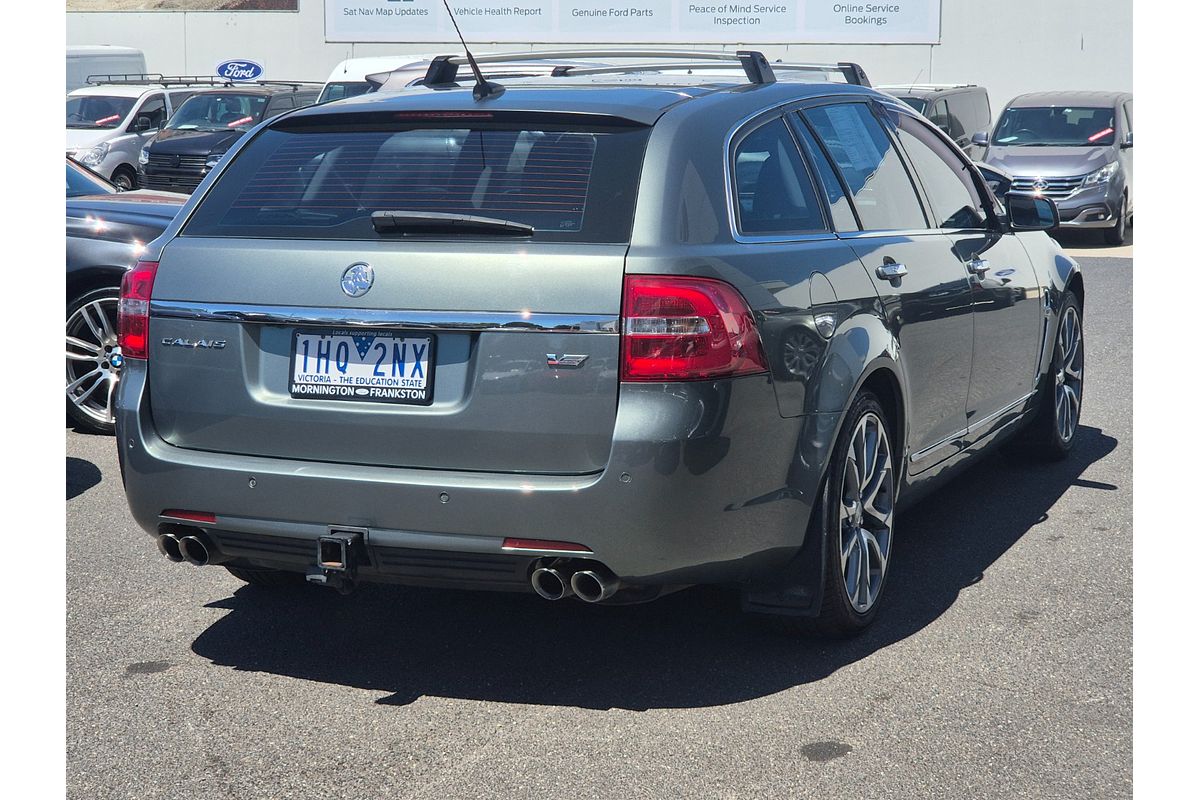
(596, 335)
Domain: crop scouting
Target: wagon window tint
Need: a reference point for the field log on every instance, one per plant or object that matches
(878, 182)
(947, 181)
(839, 204)
(774, 191)
(305, 183)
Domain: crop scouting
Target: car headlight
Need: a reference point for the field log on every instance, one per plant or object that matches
(95, 155)
(144, 156)
(1102, 175)
(213, 160)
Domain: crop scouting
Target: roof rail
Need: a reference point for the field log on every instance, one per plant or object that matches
(293, 84)
(444, 69)
(154, 79)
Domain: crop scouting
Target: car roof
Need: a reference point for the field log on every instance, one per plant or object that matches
(641, 97)
(258, 88)
(927, 89)
(1068, 98)
(114, 90)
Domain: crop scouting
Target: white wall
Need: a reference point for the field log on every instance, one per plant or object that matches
(1009, 47)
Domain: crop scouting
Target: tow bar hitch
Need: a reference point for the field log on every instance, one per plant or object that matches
(337, 556)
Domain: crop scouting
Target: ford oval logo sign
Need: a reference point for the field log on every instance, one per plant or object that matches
(239, 70)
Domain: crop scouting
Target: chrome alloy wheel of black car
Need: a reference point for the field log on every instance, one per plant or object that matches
(1068, 381)
(93, 360)
(865, 512)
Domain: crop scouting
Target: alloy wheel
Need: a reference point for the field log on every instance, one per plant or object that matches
(1068, 381)
(865, 512)
(93, 358)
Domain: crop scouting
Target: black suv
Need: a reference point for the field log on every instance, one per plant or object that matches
(207, 125)
(958, 109)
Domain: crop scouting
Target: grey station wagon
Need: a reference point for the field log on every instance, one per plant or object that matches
(600, 334)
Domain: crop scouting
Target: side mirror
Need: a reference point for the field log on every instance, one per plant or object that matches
(1128, 143)
(162, 123)
(1030, 212)
(142, 123)
(980, 139)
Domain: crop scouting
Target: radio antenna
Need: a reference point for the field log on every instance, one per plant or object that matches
(483, 89)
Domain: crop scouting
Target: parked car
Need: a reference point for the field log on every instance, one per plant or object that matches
(101, 59)
(1075, 148)
(109, 124)
(600, 334)
(107, 230)
(207, 125)
(349, 77)
(959, 109)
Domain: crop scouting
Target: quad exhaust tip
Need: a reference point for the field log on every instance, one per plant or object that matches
(594, 585)
(168, 545)
(194, 550)
(550, 583)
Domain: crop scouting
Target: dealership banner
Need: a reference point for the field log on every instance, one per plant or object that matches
(182, 5)
(636, 21)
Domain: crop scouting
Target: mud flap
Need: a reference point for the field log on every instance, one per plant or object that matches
(797, 589)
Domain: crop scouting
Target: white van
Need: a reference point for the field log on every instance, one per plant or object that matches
(108, 125)
(102, 59)
(349, 78)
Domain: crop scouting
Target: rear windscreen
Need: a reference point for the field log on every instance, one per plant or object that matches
(567, 183)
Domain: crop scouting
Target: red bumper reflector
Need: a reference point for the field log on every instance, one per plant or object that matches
(190, 516)
(543, 544)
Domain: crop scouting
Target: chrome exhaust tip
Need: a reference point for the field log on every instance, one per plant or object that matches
(168, 545)
(193, 550)
(550, 583)
(592, 586)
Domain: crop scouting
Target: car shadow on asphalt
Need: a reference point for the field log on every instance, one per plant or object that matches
(690, 649)
(81, 476)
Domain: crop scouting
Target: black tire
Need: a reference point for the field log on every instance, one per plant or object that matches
(274, 578)
(125, 178)
(838, 617)
(88, 414)
(1116, 235)
(1044, 438)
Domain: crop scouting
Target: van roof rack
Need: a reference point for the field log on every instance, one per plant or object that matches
(444, 69)
(154, 79)
(294, 84)
(927, 87)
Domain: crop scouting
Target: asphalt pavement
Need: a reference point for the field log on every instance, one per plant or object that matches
(1000, 666)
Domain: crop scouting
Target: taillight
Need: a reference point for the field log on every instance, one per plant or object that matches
(682, 329)
(133, 314)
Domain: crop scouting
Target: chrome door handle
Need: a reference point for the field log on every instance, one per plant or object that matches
(891, 271)
(978, 266)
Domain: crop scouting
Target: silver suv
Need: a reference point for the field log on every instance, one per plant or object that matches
(597, 334)
(1075, 148)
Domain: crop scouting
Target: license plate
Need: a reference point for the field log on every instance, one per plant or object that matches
(370, 366)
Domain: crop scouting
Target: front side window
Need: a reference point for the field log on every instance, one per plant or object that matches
(569, 184)
(952, 195)
(218, 111)
(869, 165)
(97, 111)
(155, 108)
(774, 191)
(1057, 126)
(940, 115)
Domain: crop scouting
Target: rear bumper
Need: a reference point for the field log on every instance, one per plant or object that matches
(705, 483)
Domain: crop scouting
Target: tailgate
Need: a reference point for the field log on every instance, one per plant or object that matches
(512, 351)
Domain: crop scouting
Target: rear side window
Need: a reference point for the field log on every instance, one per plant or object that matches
(567, 183)
(871, 168)
(774, 191)
(835, 194)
